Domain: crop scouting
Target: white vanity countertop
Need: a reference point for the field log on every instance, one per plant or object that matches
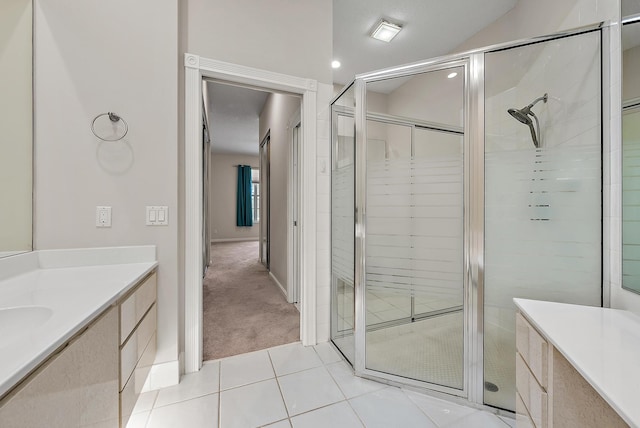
(75, 285)
(602, 344)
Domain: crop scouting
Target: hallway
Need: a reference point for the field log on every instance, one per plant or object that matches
(244, 310)
(303, 387)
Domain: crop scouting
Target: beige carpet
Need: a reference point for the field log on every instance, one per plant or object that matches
(244, 310)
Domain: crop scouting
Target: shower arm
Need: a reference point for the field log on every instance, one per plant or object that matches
(544, 98)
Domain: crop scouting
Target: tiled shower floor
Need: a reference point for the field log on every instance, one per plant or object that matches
(296, 386)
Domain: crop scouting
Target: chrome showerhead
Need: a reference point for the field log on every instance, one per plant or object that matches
(522, 116)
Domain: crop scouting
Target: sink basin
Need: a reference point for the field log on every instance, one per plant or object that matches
(18, 322)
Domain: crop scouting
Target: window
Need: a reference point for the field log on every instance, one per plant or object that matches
(255, 194)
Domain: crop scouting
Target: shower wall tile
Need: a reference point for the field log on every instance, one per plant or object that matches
(323, 332)
(587, 12)
(323, 259)
(323, 274)
(323, 297)
(323, 225)
(324, 128)
(323, 165)
(323, 148)
(323, 241)
(323, 185)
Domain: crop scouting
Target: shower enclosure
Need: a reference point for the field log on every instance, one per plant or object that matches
(445, 208)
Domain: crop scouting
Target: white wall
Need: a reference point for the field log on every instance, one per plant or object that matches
(92, 57)
(15, 126)
(276, 114)
(286, 36)
(223, 186)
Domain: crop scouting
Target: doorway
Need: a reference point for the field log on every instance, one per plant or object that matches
(248, 271)
(196, 68)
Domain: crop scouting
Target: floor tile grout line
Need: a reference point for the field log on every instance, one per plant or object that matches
(336, 382)
(153, 406)
(382, 385)
(297, 371)
(318, 408)
(184, 400)
(419, 408)
(275, 422)
(355, 412)
(284, 403)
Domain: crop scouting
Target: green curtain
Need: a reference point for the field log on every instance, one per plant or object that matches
(244, 211)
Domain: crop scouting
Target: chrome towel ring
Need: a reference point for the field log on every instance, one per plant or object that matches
(113, 118)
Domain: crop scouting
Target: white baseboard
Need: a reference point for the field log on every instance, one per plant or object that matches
(284, 290)
(234, 239)
(163, 375)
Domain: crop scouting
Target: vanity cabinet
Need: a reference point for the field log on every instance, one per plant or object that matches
(137, 343)
(95, 378)
(549, 390)
(75, 387)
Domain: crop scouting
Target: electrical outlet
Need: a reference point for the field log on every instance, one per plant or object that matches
(103, 216)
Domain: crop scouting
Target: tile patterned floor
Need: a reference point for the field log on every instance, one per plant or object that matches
(293, 386)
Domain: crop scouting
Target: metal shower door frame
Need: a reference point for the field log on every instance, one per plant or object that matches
(360, 227)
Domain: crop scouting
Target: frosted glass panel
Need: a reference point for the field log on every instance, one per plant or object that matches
(631, 200)
(343, 225)
(414, 228)
(543, 206)
(631, 157)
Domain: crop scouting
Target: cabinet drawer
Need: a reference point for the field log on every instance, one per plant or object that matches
(136, 305)
(133, 387)
(533, 396)
(135, 346)
(522, 414)
(533, 349)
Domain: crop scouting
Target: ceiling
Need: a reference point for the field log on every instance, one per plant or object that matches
(234, 114)
(430, 28)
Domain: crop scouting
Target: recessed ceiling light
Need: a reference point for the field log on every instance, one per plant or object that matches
(385, 31)
(335, 63)
(452, 75)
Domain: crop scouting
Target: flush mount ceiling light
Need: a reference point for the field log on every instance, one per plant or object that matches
(385, 31)
(335, 64)
(452, 75)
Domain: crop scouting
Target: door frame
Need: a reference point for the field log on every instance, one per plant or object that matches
(196, 68)
(294, 197)
(265, 201)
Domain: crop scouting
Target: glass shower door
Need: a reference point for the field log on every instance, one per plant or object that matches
(414, 246)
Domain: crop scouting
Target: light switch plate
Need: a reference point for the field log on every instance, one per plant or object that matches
(157, 215)
(103, 216)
